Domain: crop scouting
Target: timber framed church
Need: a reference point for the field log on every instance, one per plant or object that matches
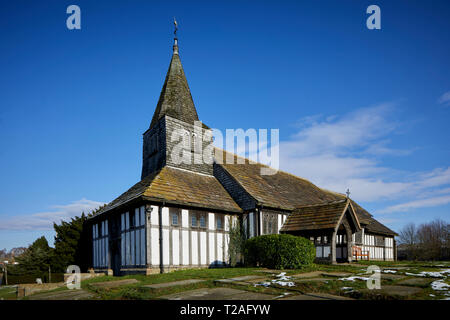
(179, 215)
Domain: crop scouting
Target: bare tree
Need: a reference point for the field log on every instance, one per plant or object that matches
(429, 241)
(409, 239)
(408, 235)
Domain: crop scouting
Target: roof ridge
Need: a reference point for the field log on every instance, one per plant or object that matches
(186, 170)
(322, 204)
(267, 166)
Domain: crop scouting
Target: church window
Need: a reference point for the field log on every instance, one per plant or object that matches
(270, 223)
(194, 220)
(219, 222)
(202, 221)
(133, 238)
(198, 220)
(174, 213)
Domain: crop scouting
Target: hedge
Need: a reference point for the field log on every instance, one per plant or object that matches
(279, 251)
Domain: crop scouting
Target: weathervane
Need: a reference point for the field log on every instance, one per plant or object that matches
(176, 27)
(175, 40)
(348, 193)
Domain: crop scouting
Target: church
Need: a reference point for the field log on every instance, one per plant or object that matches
(179, 215)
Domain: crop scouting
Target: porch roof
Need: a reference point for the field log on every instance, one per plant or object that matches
(321, 216)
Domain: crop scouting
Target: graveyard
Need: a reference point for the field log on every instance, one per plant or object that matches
(398, 281)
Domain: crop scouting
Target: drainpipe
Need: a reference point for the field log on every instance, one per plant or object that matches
(161, 251)
(258, 221)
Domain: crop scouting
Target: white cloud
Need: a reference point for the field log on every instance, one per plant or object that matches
(44, 220)
(423, 203)
(445, 99)
(345, 151)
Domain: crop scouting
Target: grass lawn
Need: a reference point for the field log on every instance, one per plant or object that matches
(8, 293)
(330, 284)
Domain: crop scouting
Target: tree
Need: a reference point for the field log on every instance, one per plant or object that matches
(71, 244)
(433, 238)
(236, 242)
(35, 260)
(408, 237)
(429, 241)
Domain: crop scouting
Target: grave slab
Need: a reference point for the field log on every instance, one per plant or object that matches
(204, 294)
(336, 274)
(63, 295)
(315, 296)
(114, 284)
(389, 276)
(416, 281)
(173, 283)
(312, 274)
(401, 291)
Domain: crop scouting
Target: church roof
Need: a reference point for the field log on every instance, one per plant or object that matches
(286, 191)
(175, 99)
(178, 187)
(319, 216)
(281, 190)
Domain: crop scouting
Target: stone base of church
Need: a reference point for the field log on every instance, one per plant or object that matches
(167, 268)
(108, 272)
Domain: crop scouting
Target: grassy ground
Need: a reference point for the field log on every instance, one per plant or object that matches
(328, 284)
(137, 291)
(8, 293)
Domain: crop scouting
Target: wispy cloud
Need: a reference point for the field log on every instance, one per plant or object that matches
(44, 220)
(445, 99)
(423, 203)
(346, 151)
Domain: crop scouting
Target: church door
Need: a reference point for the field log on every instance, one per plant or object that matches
(341, 246)
(114, 246)
(115, 256)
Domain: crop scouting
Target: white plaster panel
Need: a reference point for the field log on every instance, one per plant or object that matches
(166, 248)
(219, 248)
(194, 247)
(184, 218)
(165, 216)
(176, 247)
(203, 248)
(154, 241)
(154, 219)
(211, 221)
(212, 248)
(227, 222)
(225, 245)
(185, 236)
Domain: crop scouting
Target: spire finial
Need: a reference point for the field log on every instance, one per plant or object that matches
(348, 193)
(175, 43)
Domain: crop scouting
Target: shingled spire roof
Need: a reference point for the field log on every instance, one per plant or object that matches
(175, 99)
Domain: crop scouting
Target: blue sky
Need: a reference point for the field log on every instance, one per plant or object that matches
(357, 108)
